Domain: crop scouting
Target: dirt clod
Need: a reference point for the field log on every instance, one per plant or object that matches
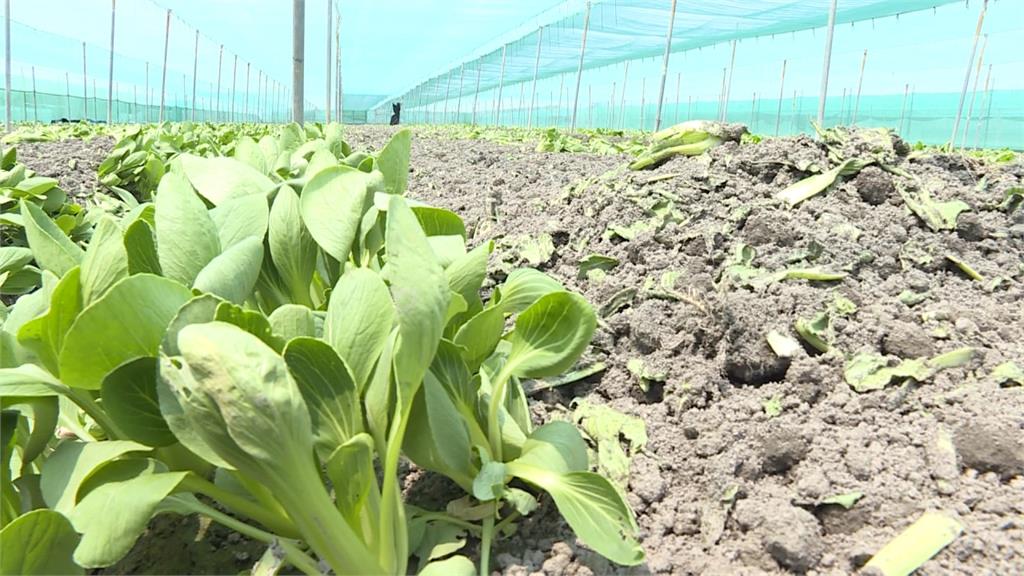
(992, 446)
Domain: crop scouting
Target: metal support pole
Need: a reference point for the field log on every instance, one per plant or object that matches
(259, 89)
(903, 108)
(579, 69)
(522, 103)
(828, 62)
(234, 92)
(195, 75)
(536, 68)
(298, 58)
(163, 81)
(782, 85)
(85, 87)
(327, 61)
(988, 101)
(689, 106)
(501, 86)
(842, 106)
(967, 75)
(447, 94)
(664, 68)
(476, 95)
(988, 107)
(721, 96)
(728, 84)
(35, 101)
(622, 105)
(561, 89)
(245, 108)
(679, 81)
(220, 62)
(643, 100)
(458, 105)
(110, 72)
(7, 62)
(974, 93)
(860, 83)
(337, 65)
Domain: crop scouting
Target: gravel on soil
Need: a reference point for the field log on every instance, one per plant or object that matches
(72, 162)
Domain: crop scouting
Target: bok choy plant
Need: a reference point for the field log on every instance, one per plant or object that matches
(273, 333)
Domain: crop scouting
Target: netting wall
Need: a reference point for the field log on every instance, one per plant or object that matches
(917, 56)
(58, 76)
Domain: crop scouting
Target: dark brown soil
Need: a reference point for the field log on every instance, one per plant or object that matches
(954, 443)
(723, 486)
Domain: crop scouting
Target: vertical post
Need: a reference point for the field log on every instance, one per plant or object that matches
(579, 69)
(988, 102)
(259, 88)
(501, 86)
(590, 106)
(827, 63)
(135, 103)
(234, 92)
(337, 64)
(910, 110)
(643, 100)
(842, 106)
(458, 105)
(476, 95)
(67, 94)
(974, 93)
(298, 58)
(110, 72)
(689, 106)
(447, 93)
(611, 108)
(146, 94)
(536, 68)
(679, 82)
(85, 87)
(967, 75)
(860, 83)
(561, 89)
(988, 107)
(7, 62)
(728, 84)
(327, 61)
(163, 81)
(664, 68)
(195, 75)
(35, 101)
(782, 85)
(622, 105)
(522, 103)
(903, 108)
(245, 107)
(753, 110)
(94, 102)
(721, 97)
(220, 62)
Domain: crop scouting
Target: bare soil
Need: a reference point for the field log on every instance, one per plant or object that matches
(954, 443)
(744, 445)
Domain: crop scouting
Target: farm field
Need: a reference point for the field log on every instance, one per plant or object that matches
(775, 384)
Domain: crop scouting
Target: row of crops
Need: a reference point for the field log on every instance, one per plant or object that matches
(255, 325)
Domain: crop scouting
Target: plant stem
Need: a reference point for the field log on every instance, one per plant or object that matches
(485, 544)
(292, 553)
(390, 500)
(274, 522)
(497, 399)
(85, 401)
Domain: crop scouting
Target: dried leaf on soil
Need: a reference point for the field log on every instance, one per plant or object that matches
(923, 539)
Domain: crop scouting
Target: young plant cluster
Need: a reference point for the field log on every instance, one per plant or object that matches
(260, 339)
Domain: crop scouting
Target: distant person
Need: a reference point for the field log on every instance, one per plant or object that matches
(396, 113)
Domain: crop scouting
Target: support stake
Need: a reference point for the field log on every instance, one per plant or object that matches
(664, 69)
(298, 58)
(163, 81)
(967, 76)
(110, 72)
(579, 69)
(782, 85)
(501, 86)
(828, 62)
(860, 83)
(536, 68)
(195, 75)
(974, 94)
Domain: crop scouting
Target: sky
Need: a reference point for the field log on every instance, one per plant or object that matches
(390, 45)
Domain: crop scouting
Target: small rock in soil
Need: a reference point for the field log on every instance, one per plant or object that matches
(781, 450)
(992, 446)
(874, 185)
(907, 341)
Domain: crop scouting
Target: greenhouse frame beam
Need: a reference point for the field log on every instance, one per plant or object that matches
(195, 75)
(664, 69)
(163, 81)
(579, 70)
(536, 69)
(823, 93)
(110, 70)
(298, 58)
(7, 62)
(501, 86)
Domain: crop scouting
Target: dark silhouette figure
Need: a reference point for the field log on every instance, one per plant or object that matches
(396, 113)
